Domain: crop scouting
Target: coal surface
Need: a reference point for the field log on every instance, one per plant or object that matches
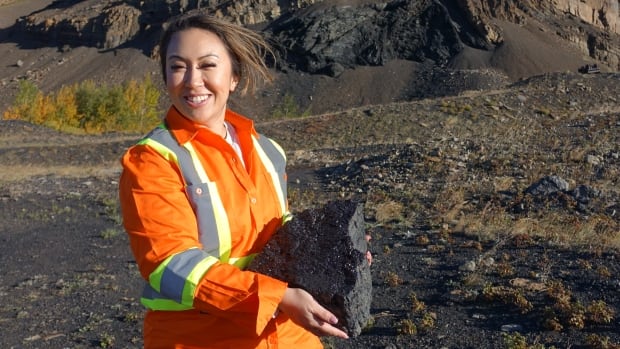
(323, 251)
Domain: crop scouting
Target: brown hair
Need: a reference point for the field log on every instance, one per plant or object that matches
(247, 49)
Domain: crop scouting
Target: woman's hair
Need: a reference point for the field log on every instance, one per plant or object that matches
(247, 49)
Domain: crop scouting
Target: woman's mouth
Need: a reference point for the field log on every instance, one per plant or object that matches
(197, 100)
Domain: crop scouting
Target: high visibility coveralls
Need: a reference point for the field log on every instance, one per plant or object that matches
(202, 296)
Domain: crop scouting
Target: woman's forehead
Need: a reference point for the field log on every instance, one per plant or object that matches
(202, 42)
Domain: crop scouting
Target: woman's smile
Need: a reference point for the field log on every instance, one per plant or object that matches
(197, 101)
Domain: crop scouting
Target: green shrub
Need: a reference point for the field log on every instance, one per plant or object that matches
(289, 109)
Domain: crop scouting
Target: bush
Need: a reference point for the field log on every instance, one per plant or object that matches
(289, 109)
(86, 107)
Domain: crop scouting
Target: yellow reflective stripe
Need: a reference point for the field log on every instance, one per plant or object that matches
(160, 148)
(155, 276)
(272, 171)
(221, 220)
(287, 217)
(187, 284)
(197, 165)
(221, 217)
(163, 304)
(242, 262)
(193, 279)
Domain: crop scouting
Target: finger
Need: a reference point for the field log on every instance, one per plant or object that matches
(326, 321)
(369, 257)
(323, 315)
(368, 237)
(330, 330)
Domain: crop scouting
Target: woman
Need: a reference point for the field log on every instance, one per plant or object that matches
(202, 193)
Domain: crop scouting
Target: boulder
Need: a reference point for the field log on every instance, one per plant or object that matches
(323, 251)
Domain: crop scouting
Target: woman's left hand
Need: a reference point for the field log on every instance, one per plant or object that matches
(305, 311)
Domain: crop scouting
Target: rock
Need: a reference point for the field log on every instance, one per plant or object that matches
(511, 328)
(323, 251)
(547, 185)
(583, 195)
(365, 34)
(593, 160)
(468, 266)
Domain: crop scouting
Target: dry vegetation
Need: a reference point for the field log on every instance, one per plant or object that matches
(463, 257)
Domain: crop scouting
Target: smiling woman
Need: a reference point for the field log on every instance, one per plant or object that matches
(202, 194)
(199, 77)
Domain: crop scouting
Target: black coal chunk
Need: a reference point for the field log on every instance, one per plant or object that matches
(323, 251)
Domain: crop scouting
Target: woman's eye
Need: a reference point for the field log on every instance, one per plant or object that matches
(176, 67)
(207, 65)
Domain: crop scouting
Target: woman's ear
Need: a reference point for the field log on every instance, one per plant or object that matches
(233, 83)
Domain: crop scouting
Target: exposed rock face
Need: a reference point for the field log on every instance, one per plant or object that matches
(329, 36)
(595, 29)
(324, 252)
(245, 12)
(602, 14)
(100, 24)
(107, 24)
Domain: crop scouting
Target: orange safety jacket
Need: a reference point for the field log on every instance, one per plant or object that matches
(195, 217)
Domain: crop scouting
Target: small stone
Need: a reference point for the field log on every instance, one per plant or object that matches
(593, 160)
(469, 266)
(511, 328)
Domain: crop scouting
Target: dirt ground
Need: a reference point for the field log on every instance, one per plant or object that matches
(457, 264)
(69, 281)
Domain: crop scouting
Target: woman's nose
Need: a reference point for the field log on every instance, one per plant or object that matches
(193, 77)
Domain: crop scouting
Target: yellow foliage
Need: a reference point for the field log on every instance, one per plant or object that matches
(86, 107)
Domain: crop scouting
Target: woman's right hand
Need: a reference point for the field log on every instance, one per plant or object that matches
(305, 311)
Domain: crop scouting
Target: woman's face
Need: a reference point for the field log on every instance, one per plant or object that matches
(199, 76)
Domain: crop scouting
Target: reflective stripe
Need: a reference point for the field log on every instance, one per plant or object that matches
(172, 285)
(154, 300)
(219, 241)
(242, 262)
(202, 193)
(272, 155)
(161, 149)
(177, 277)
(200, 171)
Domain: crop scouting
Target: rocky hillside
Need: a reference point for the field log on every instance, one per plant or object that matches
(371, 52)
(330, 34)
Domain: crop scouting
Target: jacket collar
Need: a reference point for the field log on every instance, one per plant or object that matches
(184, 130)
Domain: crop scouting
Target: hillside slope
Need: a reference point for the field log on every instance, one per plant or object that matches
(518, 43)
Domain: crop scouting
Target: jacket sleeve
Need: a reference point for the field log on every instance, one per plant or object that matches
(160, 223)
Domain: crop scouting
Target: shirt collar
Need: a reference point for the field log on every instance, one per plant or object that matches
(184, 130)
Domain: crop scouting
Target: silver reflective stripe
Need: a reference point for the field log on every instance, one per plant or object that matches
(173, 284)
(274, 159)
(206, 199)
(177, 271)
(201, 193)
